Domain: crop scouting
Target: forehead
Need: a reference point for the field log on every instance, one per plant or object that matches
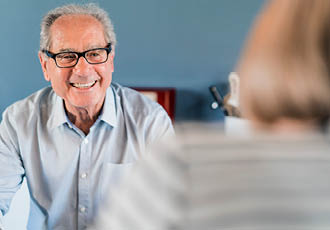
(76, 32)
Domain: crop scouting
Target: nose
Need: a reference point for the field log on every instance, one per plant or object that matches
(82, 67)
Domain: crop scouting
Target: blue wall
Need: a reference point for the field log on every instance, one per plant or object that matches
(186, 44)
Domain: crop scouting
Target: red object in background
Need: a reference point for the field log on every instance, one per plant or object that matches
(164, 96)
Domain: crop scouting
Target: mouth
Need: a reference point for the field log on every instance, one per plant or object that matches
(83, 85)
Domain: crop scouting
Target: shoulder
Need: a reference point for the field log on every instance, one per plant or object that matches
(31, 105)
(145, 115)
(135, 102)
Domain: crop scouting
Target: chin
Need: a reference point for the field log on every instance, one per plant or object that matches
(83, 103)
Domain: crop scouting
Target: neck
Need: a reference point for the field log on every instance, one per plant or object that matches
(289, 126)
(82, 118)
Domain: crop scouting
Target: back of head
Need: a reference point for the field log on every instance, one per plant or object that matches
(285, 67)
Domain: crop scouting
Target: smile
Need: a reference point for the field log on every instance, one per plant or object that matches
(83, 85)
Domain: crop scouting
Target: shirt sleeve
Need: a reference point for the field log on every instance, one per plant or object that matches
(1, 224)
(11, 166)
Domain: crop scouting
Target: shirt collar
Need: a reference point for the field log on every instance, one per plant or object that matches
(57, 113)
(109, 111)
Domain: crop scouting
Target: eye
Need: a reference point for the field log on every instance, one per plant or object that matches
(93, 54)
(66, 56)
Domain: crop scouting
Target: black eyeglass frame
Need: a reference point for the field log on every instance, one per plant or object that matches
(80, 54)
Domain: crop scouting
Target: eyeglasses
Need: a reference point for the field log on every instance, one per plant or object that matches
(70, 59)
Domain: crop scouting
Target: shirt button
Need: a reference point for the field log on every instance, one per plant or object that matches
(86, 141)
(83, 175)
(82, 209)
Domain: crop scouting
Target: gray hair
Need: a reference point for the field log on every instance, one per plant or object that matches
(87, 9)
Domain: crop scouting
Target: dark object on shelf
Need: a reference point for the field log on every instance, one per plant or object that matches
(219, 100)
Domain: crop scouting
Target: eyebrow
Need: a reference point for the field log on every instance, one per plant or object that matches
(67, 50)
(73, 50)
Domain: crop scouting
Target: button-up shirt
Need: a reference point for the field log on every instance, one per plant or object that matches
(68, 172)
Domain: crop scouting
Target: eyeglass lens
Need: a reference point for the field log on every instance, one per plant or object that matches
(70, 59)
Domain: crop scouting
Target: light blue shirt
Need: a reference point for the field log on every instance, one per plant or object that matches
(68, 173)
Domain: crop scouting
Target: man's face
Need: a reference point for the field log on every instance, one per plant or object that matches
(78, 33)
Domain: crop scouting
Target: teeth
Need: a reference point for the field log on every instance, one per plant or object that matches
(81, 85)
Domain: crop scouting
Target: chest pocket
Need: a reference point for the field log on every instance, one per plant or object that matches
(112, 176)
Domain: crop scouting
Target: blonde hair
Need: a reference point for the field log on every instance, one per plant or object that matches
(285, 66)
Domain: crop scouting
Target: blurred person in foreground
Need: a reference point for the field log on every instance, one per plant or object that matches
(74, 140)
(277, 178)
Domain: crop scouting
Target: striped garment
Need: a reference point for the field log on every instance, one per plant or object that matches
(207, 181)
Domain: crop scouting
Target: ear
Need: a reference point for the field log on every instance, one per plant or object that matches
(43, 61)
(112, 56)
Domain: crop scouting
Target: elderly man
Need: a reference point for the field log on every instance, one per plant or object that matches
(74, 140)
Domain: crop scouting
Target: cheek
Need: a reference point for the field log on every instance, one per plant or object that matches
(105, 71)
(59, 77)
(109, 64)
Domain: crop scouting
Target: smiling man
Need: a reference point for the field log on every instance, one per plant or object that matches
(74, 141)
(81, 82)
